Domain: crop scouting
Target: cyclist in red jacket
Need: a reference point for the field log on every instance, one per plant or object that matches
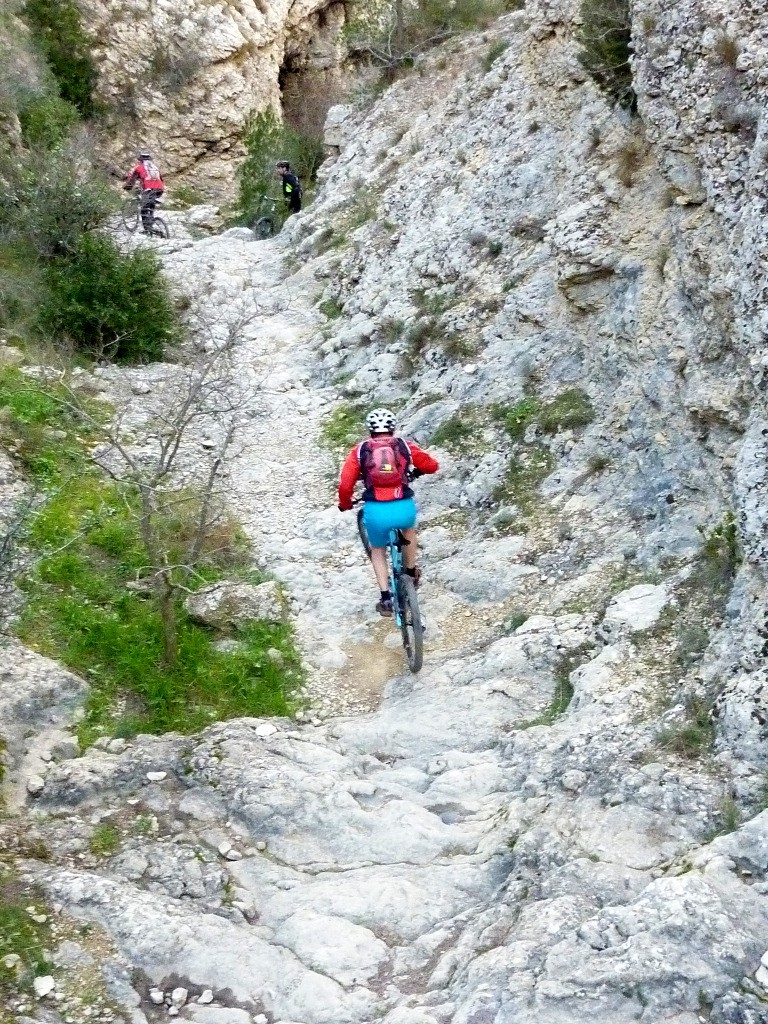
(386, 463)
(147, 173)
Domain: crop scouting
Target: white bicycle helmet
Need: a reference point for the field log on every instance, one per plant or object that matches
(381, 421)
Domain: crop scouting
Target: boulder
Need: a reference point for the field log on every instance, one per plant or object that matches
(234, 604)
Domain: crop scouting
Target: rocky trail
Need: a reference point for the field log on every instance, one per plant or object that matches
(564, 814)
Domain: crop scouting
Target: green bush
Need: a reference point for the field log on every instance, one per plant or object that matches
(47, 121)
(267, 139)
(51, 201)
(393, 35)
(605, 37)
(109, 303)
(57, 29)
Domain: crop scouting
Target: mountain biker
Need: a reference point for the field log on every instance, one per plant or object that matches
(152, 187)
(291, 186)
(386, 463)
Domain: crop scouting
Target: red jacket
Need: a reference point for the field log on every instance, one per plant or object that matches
(148, 173)
(351, 473)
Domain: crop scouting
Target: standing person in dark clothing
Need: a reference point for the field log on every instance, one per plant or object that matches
(291, 186)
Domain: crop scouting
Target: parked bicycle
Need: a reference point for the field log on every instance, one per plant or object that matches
(405, 601)
(267, 222)
(131, 214)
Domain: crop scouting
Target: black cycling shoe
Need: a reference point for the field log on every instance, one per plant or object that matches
(384, 608)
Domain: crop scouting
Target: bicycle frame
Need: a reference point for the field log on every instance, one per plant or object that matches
(394, 547)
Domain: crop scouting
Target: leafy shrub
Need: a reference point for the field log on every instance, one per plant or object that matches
(267, 139)
(109, 303)
(392, 37)
(344, 426)
(331, 308)
(52, 201)
(57, 29)
(605, 38)
(46, 122)
(523, 477)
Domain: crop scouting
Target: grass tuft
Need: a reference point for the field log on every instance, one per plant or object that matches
(343, 427)
(568, 411)
(693, 737)
(493, 53)
(331, 309)
(457, 433)
(105, 840)
(20, 936)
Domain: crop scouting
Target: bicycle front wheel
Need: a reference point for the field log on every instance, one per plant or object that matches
(130, 214)
(411, 626)
(160, 228)
(264, 227)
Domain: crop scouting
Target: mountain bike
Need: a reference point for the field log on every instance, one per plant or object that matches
(131, 214)
(405, 601)
(266, 223)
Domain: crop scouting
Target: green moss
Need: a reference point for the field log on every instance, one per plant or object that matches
(570, 410)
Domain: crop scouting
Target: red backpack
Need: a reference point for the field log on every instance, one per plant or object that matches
(384, 461)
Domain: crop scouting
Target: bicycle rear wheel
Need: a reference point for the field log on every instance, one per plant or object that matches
(160, 228)
(130, 214)
(363, 532)
(411, 626)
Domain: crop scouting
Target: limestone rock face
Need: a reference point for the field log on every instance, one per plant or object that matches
(183, 78)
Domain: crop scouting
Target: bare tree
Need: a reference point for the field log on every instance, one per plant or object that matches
(169, 474)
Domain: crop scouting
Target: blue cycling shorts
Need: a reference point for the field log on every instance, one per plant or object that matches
(379, 517)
